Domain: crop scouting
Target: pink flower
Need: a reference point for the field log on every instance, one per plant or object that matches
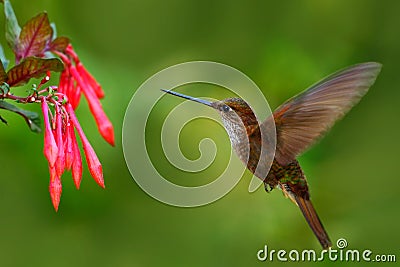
(69, 149)
(94, 164)
(88, 78)
(50, 146)
(54, 151)
(59, 133)
(75, 79)
(32, 45)
(103, 123)
(55, 188)
(77, 161)
(61, 147)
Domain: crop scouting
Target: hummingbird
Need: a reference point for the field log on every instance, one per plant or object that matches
(299, 123)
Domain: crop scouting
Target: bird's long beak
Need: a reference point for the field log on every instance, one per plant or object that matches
(208, 103)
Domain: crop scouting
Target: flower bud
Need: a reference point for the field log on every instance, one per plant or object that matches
(55, 188)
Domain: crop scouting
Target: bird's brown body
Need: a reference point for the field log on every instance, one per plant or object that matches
(289, 176)
(298, 123)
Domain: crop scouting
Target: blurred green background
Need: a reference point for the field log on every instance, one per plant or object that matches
(284, 46)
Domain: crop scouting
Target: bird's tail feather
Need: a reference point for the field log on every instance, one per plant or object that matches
(313, 220)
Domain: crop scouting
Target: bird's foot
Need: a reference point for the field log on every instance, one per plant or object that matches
(268, 188)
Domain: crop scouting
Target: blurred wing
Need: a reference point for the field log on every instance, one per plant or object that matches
(301, 120)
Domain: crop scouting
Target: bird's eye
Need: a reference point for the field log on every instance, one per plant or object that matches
(225, 108)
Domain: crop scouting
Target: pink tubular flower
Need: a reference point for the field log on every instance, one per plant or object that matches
(88, 78)
(103, 123)
(76, 161)
(33, 45)
(50, 146)
(60, 162)
(54, 151)
(61, 147)
(55, 188)
(68, 148)
(75, 79)
(94, 164)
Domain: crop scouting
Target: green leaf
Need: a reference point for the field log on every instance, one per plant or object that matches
(35, 37)
(32, 67)
(3, 58)
(13, 29)
(3, 74)
(54, 27)
(31, 118)
(59, 44)
(3, 120)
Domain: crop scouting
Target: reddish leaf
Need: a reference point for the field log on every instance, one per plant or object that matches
(35, 36)
(59, 44)
(32, 67)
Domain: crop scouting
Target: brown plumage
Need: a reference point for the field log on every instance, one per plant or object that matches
(299, 123)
